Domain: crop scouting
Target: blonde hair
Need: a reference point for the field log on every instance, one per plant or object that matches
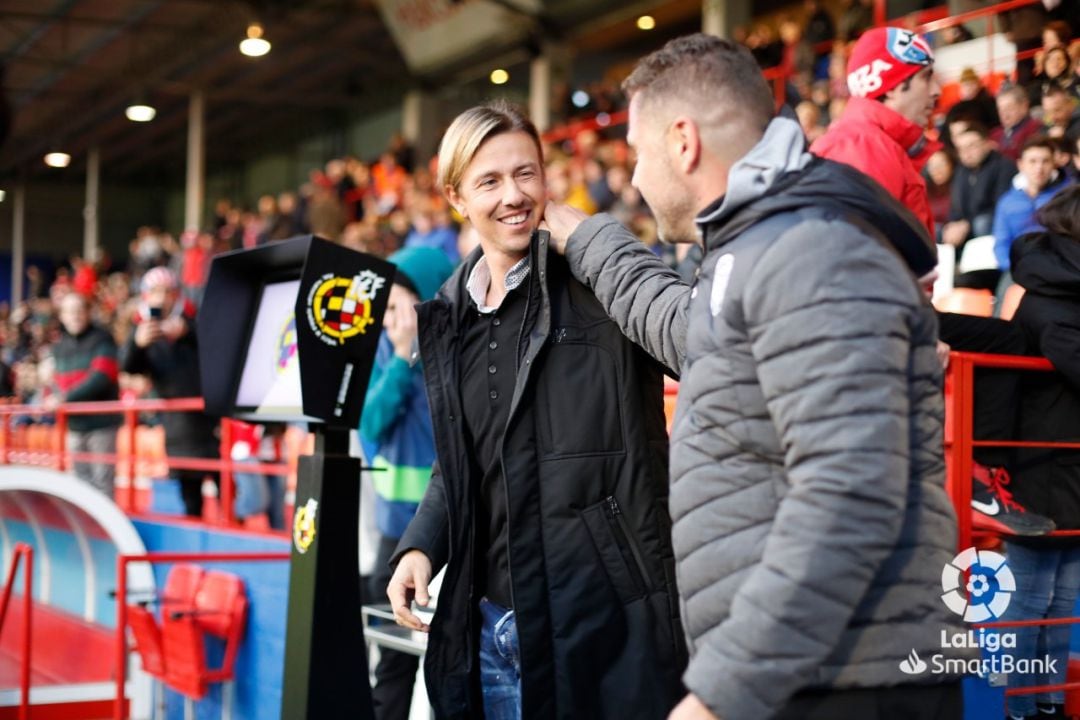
(473, 128)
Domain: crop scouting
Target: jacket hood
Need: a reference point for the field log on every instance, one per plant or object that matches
(424, 268)
(1047, 264)
(779, 175)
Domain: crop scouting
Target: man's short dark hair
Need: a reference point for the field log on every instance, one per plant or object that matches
(976, 127)
(1054, 90)
(701, 67)
(1037, 141)
(1061, 215)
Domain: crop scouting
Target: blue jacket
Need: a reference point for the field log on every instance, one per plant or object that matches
(395, 430)
(1015, 216)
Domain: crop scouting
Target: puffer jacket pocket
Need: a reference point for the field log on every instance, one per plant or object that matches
(618, 551)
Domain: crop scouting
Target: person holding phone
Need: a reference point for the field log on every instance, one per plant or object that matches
(165, 348)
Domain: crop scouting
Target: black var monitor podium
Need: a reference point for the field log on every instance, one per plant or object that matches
(288, 332)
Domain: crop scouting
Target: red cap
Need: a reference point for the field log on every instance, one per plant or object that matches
(885, 57)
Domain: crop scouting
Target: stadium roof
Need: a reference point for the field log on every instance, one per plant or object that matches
(71, 67)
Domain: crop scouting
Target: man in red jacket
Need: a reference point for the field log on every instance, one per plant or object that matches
(893, 93)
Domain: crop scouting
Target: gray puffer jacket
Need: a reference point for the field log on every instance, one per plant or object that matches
(811, 524)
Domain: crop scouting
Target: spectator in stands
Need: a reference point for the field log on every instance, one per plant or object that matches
(757, 343)
(894, 91)
(1038, 181)
(984, 176)
(164, 347)
(809, 120)
(388, 180)
(881, 132)
(258, 493)
(395, 429)
(86, 370)
(978, 98)
(1056, 33)
(552, 478)
(858, 16)
(1023, 26)
(1057, 73)
(1060, 114)
(428, 231)
(1064, 149)
(938, 175)
(820, 29)
(1047, 265)
(1017, 125)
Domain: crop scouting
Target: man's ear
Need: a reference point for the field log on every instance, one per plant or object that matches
(684, 144)
(456, 201)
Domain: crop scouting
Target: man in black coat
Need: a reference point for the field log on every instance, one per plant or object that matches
(164, 347)
(983, 176)
(549, 505)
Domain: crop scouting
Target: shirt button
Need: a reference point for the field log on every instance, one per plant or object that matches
(496, 322)
(494, 394)
(493, 344)
(491, 369)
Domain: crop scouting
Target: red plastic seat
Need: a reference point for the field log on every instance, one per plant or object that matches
(198, 605)
(147, 640)
(194, 605)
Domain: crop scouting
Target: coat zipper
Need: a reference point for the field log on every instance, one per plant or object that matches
(623, 528)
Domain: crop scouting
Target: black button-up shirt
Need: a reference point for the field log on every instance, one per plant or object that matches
(489, 355)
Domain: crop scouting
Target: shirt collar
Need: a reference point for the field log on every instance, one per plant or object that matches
(480, 280)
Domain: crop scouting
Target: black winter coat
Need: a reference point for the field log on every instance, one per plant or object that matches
(173, 368)
(585, 465)
(1047, 481)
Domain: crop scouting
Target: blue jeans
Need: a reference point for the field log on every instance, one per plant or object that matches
(500, 662)
(1047, 583)
(256, 493)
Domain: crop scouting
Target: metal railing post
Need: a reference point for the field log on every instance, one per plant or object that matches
(228, 487)
(60, 441)
(131, 426)
(121, 635)
(28, 609)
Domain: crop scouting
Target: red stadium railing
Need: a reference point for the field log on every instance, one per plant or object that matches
(24, 552)
(959, 444)
(46, 445)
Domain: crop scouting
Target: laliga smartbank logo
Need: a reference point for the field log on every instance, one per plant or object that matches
(989, 587)
(984, 597)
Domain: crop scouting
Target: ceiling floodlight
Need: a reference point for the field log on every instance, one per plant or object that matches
(58, 159)
(254, 45)
(646, 22)
(140, 112)
(499, 76)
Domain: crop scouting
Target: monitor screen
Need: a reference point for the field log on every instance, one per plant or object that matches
(269, 386)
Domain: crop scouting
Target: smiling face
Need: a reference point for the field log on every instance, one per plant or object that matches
(502, 194)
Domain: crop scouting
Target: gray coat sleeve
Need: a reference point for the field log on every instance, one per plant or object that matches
(829, 314)
(644, 297)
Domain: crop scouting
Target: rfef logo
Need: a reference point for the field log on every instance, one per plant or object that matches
(339, 308)
(988, 589)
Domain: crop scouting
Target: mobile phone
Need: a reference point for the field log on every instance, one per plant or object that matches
(155, 313)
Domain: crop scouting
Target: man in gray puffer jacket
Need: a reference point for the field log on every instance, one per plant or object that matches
(811, 524)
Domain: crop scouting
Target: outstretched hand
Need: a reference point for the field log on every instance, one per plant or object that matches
(561, 221)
